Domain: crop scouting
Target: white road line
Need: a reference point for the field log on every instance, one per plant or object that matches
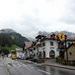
(44, 71)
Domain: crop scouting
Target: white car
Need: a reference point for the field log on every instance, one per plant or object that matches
(21, 55)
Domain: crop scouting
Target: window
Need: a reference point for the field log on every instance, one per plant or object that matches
(69, 44)
(34, 48)
(43, 44)
(70, 53)
(51, 43)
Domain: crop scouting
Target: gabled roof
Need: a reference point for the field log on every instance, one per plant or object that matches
(70, 45)
(73, 44)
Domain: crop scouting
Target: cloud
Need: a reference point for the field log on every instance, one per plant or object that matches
(69, 16)
(30, 16)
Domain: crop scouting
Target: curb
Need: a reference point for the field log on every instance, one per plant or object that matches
(65, 67)
(43, 64)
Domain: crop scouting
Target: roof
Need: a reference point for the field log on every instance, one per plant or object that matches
(73, 44)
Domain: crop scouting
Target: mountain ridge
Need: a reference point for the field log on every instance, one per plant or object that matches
(17, 38)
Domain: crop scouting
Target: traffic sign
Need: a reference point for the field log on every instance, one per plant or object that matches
(61, 36)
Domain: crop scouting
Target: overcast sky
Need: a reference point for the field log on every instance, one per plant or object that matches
(30, 16)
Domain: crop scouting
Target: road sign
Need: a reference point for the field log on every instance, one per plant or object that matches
(61, 36)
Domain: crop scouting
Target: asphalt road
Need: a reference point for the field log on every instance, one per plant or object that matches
(11, 67)
(57, 71)
(53, 70)
(3, 69)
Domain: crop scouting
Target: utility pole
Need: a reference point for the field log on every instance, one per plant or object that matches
(66, 50)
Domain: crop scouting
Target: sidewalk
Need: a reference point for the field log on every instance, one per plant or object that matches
(54, 64)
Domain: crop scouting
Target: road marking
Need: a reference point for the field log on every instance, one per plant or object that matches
(44, 71)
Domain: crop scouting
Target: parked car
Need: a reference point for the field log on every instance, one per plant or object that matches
(13, 54)
(21, 56)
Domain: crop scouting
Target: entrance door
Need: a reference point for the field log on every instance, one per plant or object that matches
(44, 54)
(52, 54)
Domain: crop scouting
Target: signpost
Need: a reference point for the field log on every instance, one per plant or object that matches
(62, 37)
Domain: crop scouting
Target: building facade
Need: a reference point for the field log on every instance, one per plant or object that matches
(71, 54)
(45, 47)
(48, 48)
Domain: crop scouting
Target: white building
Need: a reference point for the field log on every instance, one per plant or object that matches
(48, 48)
(45, 47)
(28, 49)
(19, 52)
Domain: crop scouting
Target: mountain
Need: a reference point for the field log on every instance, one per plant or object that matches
(7, 31)
(31, 39)
(12, 36)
